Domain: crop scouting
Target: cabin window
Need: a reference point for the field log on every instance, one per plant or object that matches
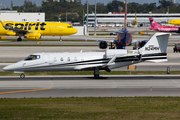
(62, 59)
(32, 57)
(55, 59)
(68, 59)
(75, 59)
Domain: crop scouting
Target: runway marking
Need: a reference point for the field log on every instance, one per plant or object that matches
(25, 91)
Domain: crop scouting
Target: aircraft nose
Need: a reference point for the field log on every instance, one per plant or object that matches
(11, 67)
(7, 68)
(169, 22)
(74, 31)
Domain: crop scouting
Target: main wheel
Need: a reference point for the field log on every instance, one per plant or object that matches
(22, 76)
(19, 39)
(96, 75)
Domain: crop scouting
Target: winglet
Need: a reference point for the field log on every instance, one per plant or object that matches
(2, 23)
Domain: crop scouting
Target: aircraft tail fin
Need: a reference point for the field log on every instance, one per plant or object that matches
(155, 49)
(153, 23)
(125, 16)
(135, 17)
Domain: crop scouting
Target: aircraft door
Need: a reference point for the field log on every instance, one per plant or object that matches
(46, 58)
(60, 30)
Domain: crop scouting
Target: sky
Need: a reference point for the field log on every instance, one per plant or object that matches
(7, 3)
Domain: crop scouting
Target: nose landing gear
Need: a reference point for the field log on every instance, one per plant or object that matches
(22, 76)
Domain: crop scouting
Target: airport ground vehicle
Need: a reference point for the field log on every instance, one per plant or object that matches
(176, 47)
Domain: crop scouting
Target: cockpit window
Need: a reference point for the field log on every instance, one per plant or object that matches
(32, 57)
(69, 27)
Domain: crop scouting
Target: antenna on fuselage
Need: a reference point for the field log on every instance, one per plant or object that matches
(125, 15)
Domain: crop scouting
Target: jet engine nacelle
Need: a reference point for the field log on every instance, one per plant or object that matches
(124, 39)
(103, 44)
(142, 43)
(33, 36)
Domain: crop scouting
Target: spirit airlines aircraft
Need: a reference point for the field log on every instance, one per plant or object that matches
(34, 30)
(154, 50)
(174, 22)
(155, 26)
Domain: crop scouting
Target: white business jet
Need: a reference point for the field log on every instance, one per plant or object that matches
(154, 50)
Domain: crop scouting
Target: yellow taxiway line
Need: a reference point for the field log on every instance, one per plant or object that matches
(25, 91)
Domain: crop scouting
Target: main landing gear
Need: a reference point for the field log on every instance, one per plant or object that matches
(96, 73)
(111, 46)
(22, 76)
(19, 39)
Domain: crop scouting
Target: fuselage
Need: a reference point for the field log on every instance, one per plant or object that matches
(124, 39)
(165, 29)
(69, 61)
(43, 28)
(174, 22)
(157, 27)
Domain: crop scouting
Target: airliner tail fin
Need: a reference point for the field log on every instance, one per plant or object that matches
(153, 23)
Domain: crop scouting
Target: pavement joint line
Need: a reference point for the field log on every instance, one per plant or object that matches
(25, 91)
(176, 83)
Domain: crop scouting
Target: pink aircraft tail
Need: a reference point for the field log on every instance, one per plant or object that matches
(153, 23)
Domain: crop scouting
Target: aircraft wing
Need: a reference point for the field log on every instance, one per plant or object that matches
(139, 40)
(110, 63)
(83, 38)
(97, 39)
(17, 30)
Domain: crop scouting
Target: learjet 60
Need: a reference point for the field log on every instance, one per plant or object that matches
(154, 50)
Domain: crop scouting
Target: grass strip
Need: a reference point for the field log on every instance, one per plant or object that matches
(10, 73)
(112, 108)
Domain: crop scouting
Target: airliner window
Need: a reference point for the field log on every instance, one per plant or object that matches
(62, 59)
(32, 57)
(69, 27)
(75, 59)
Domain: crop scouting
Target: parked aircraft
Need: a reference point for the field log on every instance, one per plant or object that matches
(157, 27)
(154, 50)
(134, 22)
(174, 22)
(124, 37)
(34, 30)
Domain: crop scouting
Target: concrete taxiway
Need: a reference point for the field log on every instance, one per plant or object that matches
(87, 86)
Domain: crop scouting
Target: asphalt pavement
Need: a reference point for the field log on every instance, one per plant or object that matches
(87, 86)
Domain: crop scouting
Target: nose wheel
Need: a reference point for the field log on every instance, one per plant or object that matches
(22, 76)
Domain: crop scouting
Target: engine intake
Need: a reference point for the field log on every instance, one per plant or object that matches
(102, 44)
(33, 36)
